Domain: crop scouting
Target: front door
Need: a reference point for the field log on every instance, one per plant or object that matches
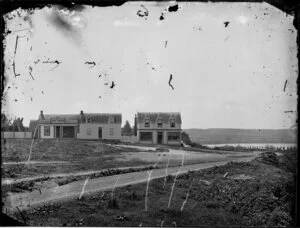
(57, 130)
(100, 132)
(159, 137)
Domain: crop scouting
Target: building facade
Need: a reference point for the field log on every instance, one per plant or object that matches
(158, 128)
(81, 126)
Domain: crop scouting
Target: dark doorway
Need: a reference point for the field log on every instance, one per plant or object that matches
(69, 132)
(57, 131)
(100, 132)
(159, 137)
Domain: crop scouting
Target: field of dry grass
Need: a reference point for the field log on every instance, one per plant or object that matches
(71, 156)
(60, 156)
(258, 193)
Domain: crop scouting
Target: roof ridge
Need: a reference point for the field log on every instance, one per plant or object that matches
(60, 114)
(158, 112)
(107, 113)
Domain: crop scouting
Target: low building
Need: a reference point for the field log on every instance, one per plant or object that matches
(158, 128)
(81, 126)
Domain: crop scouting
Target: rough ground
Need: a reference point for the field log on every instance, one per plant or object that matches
(55, 156)
(256, 193)
(39, 192)
(50, 157)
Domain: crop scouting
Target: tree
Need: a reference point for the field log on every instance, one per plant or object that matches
(186, 138)
(5, 122)
(18, 124)
(127, 130)
(15, 125)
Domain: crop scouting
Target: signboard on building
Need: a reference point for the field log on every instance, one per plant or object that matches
(71, 121)
(44, 121)
(58, 121)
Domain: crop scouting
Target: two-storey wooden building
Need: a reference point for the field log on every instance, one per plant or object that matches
(158, 127)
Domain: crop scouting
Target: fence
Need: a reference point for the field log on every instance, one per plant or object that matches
(16, 135)
(129, 139)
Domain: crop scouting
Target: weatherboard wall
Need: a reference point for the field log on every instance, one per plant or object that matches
(91, 131)
(153, 126)
(42, 132)
(154, 136)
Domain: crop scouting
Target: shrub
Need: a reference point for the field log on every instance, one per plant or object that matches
(161, 149)
(212, 204)
(113, 203)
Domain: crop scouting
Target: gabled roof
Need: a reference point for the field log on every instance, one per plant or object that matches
(154, 116)
(104, 117)
(65, 116)
(32, 125)
(101, 118)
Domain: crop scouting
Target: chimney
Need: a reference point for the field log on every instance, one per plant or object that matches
(82, 117)
(135, 126)
(41, 115)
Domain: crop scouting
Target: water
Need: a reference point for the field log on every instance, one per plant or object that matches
(258, 145)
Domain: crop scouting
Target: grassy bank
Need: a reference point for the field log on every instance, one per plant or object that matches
(259, 193)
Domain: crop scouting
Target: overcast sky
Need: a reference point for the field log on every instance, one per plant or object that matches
(225, 75)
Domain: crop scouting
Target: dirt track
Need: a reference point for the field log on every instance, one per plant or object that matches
(74, 189)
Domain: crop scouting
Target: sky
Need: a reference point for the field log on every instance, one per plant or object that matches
(233, 65)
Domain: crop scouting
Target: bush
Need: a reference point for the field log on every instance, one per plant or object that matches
(268, 158)
(131, 195)
(161, 149)
(200, 146)
(212, 204)
(288, 161)
(113, 203)
(279, 218)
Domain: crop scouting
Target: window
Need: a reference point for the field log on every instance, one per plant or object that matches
(88, 131)
(172, 122)
(146, 136)
(111, 119)
(46, 130)
(111, 131)
(89, 119)
(173, 136)
(159, 122)
(147, 124)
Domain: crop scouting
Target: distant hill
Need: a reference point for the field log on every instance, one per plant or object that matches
(227, 135)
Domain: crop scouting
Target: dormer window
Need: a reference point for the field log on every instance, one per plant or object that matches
(172, 122)
(111, 120)
(147, 123)
(89, 119)
(159, 122)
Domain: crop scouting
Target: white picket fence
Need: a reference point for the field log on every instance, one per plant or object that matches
(130, 139)
(16, 135)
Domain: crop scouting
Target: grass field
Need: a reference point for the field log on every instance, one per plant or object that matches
(60, 156)
(69, 156)
(258, 193)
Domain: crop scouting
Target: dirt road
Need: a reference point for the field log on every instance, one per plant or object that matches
(74, 189)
